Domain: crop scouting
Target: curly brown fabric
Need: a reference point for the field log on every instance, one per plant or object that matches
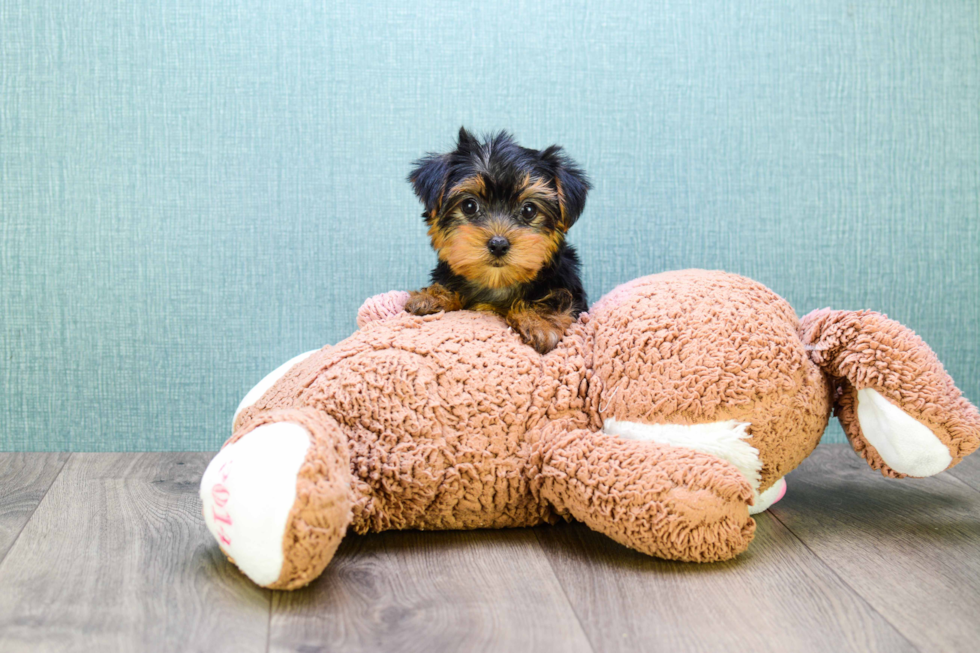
(319, 518)
(450, 421)
(665, 501)
(692, 347)
(864, 349)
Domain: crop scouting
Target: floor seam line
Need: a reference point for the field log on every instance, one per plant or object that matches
(952, 474)
(564, 593)
(843, 580)
(38, 505)
(268, 623)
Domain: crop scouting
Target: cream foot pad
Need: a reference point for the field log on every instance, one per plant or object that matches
(905, 444)
(248, 491)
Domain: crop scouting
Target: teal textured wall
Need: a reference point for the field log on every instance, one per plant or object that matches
(191, 193)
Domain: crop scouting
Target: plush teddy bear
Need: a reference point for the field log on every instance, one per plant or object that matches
(668, 414)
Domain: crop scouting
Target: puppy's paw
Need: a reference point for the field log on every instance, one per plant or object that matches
(433, 299)
(538, 328)
(543, 338)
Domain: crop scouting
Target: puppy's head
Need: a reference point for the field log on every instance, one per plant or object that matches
(497, 212)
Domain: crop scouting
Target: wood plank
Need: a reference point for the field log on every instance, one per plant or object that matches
(431, 591)
(910, 547)
(968, 470)
(117, 558)
(24, 479)
(774, 597)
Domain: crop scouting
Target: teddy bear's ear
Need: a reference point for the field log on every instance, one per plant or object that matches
(429, 179)
(570, 182)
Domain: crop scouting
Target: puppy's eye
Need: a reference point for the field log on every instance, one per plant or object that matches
(468, 207)
(528, 211)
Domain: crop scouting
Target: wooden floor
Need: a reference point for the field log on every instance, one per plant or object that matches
(108, 552)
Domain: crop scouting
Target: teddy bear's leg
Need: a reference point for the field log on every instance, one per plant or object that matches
(900, 410)
(277, 496)
(667, 501)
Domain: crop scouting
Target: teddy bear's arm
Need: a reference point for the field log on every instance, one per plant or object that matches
(898, 407)
(379, 307)
(666, 501)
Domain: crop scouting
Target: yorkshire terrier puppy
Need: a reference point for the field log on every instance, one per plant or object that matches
(497, 215)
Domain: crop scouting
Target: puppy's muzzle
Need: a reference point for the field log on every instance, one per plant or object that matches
(498, 246)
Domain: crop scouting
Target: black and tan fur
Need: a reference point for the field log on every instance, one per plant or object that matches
(497, 215)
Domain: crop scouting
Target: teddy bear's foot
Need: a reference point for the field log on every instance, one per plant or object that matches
(277, 497)
(248, 491)
(904, 444)
(890, 439)
(898, 407)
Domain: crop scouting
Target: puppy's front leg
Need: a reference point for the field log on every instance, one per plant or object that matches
(539, 325)
(433, 299)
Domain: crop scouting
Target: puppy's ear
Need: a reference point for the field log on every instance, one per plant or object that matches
(429, 179)
(431, 174)
(570, 182)
(465, 140)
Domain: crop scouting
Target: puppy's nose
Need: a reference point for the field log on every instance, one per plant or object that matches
(498, 246)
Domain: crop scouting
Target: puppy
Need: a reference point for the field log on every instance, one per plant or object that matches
(497, 215)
